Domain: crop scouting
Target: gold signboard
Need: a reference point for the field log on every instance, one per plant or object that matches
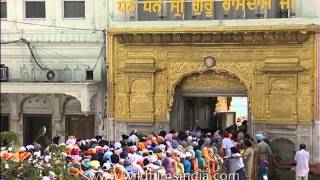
(199, 6)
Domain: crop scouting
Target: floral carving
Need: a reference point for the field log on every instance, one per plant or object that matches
(179, 70)
(140, 86)
(212, 80)
(281, 85)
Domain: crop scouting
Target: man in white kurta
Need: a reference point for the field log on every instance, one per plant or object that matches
(302, 157)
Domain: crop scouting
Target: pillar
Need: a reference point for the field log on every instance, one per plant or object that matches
(316, 135)
(58, 123)
(316, 142)
(16, 121)
(222, 106)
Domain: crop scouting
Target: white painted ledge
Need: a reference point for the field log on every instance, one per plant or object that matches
(82, 91)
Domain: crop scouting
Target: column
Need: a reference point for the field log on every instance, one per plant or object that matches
(316, 142)
(222, 106)
(98, 118)
(16, 121)
(58, 123)
(316, 135)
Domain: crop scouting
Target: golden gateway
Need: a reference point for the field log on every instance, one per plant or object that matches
(275, 67)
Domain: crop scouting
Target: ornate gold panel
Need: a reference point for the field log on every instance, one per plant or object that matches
(161, 89)
(215, 54)
(282, 84)
(304, 104)
(212, 81)
(146, 68)
(160, 106)
(260, 89)
(121, 53)
(143, 54)
(304, 89)
(120, 106)
(160, 78)
(140, 102)
(259, 109)
(140, 106)
(304, 79)
(161, 54)
(120, 87)
(121, 64)
(282, 108)
(305, 64)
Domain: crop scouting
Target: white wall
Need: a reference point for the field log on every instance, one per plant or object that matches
(54, 47)
(95, 16)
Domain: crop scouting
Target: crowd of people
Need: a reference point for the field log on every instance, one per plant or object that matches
(194, 154)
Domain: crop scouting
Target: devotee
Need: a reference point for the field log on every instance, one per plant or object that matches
(302, 158)
(236, 163)
(263, 149)
(248, 157)
(227, 143)
(196, 151)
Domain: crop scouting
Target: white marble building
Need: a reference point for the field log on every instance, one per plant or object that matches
(66, 37)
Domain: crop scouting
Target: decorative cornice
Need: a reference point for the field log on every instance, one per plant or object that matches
(82, 91)
(226, 37)
(203, 28)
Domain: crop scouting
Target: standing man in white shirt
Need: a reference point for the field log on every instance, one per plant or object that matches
(236, 164)
(302, 158)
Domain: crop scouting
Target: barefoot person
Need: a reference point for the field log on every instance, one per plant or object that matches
(302, 157)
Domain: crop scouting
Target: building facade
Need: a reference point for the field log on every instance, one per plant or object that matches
(170, 59)
(54, 53)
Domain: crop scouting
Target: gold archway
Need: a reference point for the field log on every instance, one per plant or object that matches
(210, 80)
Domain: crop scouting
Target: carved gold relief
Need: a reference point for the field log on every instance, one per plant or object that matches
(140, 86)
(154, 65)
(215, 37)
(304, 89)
(260, 89)
(281, 107)
(259, 109)
(282, 85)
(160, 106)
(120, 106)
(140, 106)
(211, 80)
(179, 70)
(304, 105)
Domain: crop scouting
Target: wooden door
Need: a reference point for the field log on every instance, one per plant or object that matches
(80, 126)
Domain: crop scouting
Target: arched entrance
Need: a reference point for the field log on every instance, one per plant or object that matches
(204, 100)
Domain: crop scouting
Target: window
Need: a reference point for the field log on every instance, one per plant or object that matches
(35, 9)
(3, 9)
(74, 9)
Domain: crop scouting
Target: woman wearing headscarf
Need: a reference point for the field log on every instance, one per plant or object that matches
(208, 157)
(201, 163)
(248, 157)
(168, 163)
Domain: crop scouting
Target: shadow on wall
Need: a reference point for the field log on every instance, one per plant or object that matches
(283, 150)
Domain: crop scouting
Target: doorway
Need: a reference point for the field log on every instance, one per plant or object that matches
(4, 122)
(80, 126)
(33, 128)
(209, 113)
